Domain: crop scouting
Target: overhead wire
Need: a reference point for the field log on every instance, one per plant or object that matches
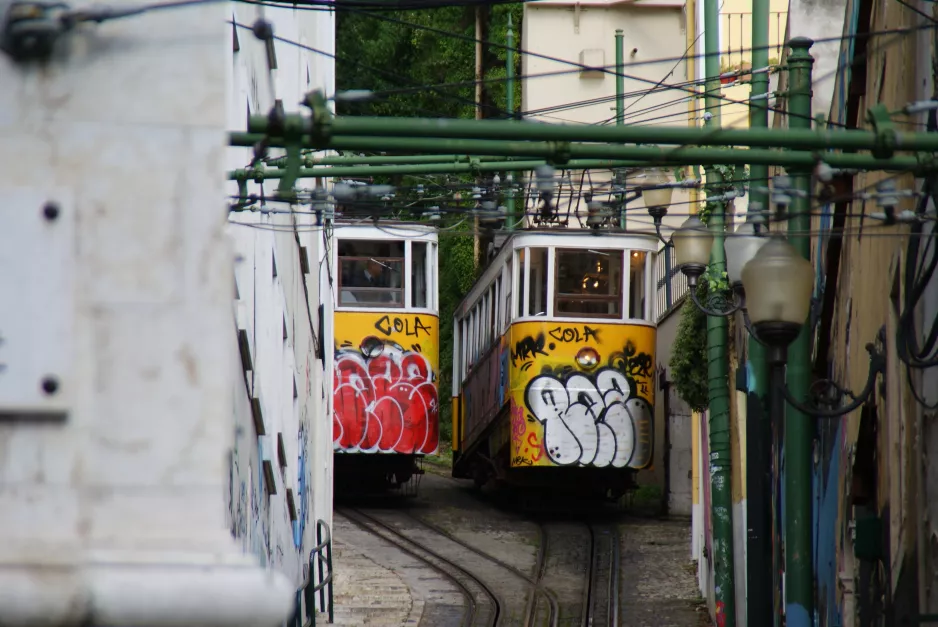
(393, 76)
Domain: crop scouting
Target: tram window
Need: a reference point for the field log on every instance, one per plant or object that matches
(506, 289)
(538, 304)
(371, 274)
(637, 288)
(522, 284)
(589, 283)
(499, 301)
(418, 293)
(465, 348)
(493, 312)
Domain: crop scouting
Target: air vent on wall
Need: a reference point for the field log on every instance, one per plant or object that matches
(595, 60)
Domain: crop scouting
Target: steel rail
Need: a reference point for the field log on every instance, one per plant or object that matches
(399, 539)
(534, 581)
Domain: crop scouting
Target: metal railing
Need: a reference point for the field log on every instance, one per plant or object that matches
(670, 282)
(320, 559)
(736, 37)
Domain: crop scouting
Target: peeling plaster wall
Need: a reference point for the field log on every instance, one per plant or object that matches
(274, 513)
(819, 19)
(866, 291)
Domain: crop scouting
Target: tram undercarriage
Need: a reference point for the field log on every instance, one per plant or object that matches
(376, 473)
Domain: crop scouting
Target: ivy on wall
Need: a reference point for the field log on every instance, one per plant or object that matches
(689, 354)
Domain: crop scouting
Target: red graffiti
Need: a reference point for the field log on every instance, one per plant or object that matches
(518, 426)
(386, 402)
(721, 614)
(536, 445)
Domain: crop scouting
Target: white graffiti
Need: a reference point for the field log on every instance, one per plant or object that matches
(589, 421)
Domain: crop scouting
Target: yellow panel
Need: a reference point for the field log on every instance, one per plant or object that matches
(582, 394)
(386, 377)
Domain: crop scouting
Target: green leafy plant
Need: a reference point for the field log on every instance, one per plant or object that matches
(715, 281)
(689, 353)
(457, 274)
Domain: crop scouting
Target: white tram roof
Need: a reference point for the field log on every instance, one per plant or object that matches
(565, 238)
(386, 230)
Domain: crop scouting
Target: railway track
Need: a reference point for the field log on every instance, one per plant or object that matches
(601, 593)
(575, 580)
(482, 604)
(540, 602)
(583, 570)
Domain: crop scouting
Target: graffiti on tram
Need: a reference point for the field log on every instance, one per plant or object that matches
(582, 395)
(385, 397)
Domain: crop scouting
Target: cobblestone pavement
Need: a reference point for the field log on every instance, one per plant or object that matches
(658, 586)
(378, 584)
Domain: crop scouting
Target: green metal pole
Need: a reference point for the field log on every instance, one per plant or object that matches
(310, 161)
(721, 468)
(510, 106)
(620, 97)
(641, 156)
(428, 168)
(799, 427)
(759, 567)
(620, 77)
(322, 126)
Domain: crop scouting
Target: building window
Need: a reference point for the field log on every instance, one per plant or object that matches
(589, 284)
(371, 274)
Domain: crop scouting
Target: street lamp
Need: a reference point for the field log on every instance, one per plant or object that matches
(778, 283)
(692, 244)
(657, 197)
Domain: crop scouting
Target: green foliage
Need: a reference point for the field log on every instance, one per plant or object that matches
(715, 282)
(457, 274)
(729, 177)
(689, 354)
(390, 56)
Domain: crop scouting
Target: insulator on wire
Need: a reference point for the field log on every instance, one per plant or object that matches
(781, 191)
(545, 178)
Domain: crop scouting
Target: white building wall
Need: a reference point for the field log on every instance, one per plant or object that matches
(584, 33)
(281, 314)
(112, 514)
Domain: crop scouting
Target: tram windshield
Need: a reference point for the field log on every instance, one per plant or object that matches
(589, 283)
(371, 273)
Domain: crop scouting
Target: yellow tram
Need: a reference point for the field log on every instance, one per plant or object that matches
(386, 342)
(554, 364)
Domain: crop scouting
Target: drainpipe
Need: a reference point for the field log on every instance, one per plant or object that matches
(718, 362)
(620, 97)
(759, 594)
(799, 427)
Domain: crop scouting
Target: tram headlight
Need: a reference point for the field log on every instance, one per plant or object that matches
(587, 358)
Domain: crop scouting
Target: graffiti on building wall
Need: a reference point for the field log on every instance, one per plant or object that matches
(582, 395)
(385, 397)
(237, 493)
(303, 483)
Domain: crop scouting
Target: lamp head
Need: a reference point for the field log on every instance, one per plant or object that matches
(692, 245)
(657, 200)
(741, 247)
(778, 283)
